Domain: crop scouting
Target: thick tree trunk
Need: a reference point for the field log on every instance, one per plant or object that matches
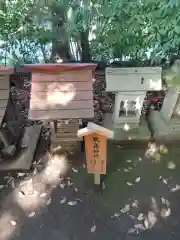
(60, 44)
(85, 54)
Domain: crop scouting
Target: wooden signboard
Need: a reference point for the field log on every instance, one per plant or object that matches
(96, 148)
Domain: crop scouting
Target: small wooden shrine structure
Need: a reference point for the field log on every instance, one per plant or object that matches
(130, 86)
(62, 94)
(5, 73)
(96, 148)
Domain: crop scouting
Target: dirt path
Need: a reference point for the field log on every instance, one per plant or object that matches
(140, 201)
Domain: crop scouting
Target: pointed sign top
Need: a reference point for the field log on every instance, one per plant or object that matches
(92, 128)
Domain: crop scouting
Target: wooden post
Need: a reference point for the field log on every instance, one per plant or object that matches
(96, 149)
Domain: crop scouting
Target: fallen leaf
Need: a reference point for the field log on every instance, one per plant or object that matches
(43, 195)
(70, 183)
(48, 202)
(118, 146)
(168, 212)
(140, 217)
(129, 184)
(135, 203)
(62, 185)
(93, 228)
(32, 214)
(175, 188)
(137, 179)
(125, 209)
(116, 215)
(140, 226)
(74, 170)
(21, 194)
(21, 174)
(150, 220)
(171, 165)
(13, 222)
(63, 200)
(165, 181)
(72, 203)
(133, 231)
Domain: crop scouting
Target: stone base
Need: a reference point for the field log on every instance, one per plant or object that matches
(136, 131)
(161, 130)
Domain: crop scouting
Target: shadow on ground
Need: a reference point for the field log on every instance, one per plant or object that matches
(140, 200)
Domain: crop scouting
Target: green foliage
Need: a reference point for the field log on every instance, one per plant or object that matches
(117, 29)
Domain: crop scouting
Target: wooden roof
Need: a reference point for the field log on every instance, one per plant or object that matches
(59, 67)
(94, 128)
(61, 91)
(6, 70)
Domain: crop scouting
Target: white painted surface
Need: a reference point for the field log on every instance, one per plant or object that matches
(138, 97)
(133, 79)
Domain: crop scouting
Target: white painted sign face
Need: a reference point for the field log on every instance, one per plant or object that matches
(133, 79)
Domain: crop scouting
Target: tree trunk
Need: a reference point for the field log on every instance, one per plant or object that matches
(60, 41)
(85, 53)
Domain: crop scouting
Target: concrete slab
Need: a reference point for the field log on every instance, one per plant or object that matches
(24, 160)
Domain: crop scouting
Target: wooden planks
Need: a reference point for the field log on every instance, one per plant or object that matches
(86, 75)
(60, 86)
(37, 105)
(60, 114)
(4, 94)
(61, 95)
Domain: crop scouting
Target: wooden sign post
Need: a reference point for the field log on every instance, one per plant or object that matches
(96, 148)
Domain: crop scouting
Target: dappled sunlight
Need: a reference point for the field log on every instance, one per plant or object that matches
(126, 127)
(54, 94)
(155, 151)
(8, 225)
(34, 192)
(148, 193)
(61, 93)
